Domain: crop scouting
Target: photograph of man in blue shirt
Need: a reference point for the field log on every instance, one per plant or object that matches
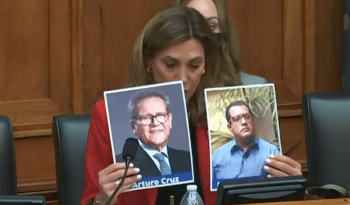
(245, 155)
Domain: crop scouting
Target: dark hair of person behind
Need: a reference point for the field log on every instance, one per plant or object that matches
(235, 103)
(169, 26)
(231, 64)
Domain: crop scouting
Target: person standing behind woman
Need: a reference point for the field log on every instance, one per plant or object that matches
(220, 21)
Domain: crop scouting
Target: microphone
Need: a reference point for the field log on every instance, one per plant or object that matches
(130, 149)
(129, 152)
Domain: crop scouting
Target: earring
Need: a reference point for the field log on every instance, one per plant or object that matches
(203, 71)
(149, 69)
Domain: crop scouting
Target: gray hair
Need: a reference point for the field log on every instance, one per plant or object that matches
(133, 108)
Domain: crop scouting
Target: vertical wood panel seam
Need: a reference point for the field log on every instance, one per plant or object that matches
(310, 23)
(291, 46)
(303, 8)
(103, 56)
(49, 46)
(77, 15)
(283, 37)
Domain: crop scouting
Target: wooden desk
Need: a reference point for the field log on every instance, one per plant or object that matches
(311, 202)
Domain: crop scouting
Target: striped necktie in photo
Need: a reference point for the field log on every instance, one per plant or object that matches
(164, 167)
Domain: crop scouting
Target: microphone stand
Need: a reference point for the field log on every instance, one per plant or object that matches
(122, 181)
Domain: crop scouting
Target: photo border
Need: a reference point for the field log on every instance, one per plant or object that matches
(206, 91)
(120, 129)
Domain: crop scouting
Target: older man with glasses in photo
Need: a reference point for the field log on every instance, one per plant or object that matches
(151, 122)
(245, 155)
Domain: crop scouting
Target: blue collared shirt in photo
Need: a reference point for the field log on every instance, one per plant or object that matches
(230, 161)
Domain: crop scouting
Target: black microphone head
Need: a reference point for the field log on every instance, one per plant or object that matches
(130, 148)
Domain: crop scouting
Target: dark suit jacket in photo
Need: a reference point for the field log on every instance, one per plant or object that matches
(180, 162)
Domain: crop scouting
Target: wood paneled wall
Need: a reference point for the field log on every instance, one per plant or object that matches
(35, 83)
(109, 35)
(59, 56)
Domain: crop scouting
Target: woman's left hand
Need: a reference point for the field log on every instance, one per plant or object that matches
(279, 166)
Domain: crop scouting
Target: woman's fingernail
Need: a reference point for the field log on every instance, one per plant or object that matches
(137, 169)
(268, 160)
(269, 176)
(139, 176)
(266, 168)
(131, 165)
(272, 156)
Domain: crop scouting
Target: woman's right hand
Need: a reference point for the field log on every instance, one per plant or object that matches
(108, 177)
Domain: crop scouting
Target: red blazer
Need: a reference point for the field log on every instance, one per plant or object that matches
(99, 156)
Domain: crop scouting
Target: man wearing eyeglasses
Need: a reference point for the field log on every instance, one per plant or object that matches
(151, 122)
(245, 155)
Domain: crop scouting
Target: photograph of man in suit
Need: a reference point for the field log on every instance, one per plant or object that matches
(245, 155)
(151, 122)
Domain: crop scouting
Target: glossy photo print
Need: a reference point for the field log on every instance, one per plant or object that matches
(156, 117)
(243, 129)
